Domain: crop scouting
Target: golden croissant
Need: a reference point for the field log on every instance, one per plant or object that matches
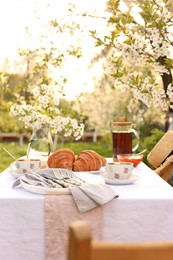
(62, 158)
(86, 160)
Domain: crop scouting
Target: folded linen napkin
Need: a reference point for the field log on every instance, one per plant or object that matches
(89, 196)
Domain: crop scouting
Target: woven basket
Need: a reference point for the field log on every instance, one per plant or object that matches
(165, 169)
(160, 156)
(161, 150)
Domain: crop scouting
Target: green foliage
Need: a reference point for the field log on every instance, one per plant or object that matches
(150, 141)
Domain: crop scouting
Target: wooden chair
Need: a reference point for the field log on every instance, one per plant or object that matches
(82, 247)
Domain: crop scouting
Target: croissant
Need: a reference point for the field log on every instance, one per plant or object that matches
(81, 165)
(88, 160)
(62, 158)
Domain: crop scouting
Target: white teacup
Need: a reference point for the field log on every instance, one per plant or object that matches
(118, 170)
(22, 166)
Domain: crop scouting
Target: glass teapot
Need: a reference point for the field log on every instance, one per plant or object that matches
(122, 136)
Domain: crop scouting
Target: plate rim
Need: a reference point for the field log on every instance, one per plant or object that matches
(133, 178)
(44, 190)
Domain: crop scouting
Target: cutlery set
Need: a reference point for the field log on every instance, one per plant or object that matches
(52, 178)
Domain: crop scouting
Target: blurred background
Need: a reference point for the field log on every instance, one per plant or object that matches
(50, 41)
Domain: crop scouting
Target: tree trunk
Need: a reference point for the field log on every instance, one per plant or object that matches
(21, 142)
(95, 136)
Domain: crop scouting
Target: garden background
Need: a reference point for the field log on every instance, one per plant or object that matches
(91, 51)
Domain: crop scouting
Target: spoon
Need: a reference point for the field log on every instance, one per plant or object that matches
(142, 152)
(9, 153)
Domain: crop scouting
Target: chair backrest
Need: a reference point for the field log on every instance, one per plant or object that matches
(82, 247)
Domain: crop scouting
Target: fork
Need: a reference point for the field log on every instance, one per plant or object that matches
(63, 173)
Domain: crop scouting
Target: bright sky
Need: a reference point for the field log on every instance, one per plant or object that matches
(16, 15)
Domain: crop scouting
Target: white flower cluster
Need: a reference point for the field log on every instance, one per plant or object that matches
(148, 93)
(141, 48)
(44, 111)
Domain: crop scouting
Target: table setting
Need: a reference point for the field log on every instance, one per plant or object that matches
(88, 180)
(40, 160)
(143, 203)
(88, 191)
(42, 195)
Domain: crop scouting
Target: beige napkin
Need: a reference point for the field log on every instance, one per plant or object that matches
(89, 196)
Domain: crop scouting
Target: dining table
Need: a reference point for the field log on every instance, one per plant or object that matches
(142, 212)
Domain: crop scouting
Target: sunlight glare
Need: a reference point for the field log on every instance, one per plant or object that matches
(34, 15)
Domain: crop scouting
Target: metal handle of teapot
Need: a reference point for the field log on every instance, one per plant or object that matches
(138, 138)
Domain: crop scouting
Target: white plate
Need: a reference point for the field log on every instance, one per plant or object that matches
(88, 178)
(131, 180)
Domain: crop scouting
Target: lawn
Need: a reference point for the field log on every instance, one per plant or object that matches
(102, 148)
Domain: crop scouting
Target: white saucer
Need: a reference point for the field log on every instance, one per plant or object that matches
(90, 172)
(131, 180)
(14, 174)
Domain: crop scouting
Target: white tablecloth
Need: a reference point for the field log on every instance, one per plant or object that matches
(143, 212)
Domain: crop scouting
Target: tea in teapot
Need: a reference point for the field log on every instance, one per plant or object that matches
(122, 136)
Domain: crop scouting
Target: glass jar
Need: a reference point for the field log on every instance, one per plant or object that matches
(40, 144)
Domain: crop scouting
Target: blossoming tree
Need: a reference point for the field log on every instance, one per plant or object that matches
(140, 44)
(38, 102)
(45, 111)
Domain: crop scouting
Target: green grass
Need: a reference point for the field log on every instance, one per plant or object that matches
(14, 149)
(102, 148)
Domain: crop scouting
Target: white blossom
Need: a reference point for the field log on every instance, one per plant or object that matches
(142, 51)
(45, 112)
